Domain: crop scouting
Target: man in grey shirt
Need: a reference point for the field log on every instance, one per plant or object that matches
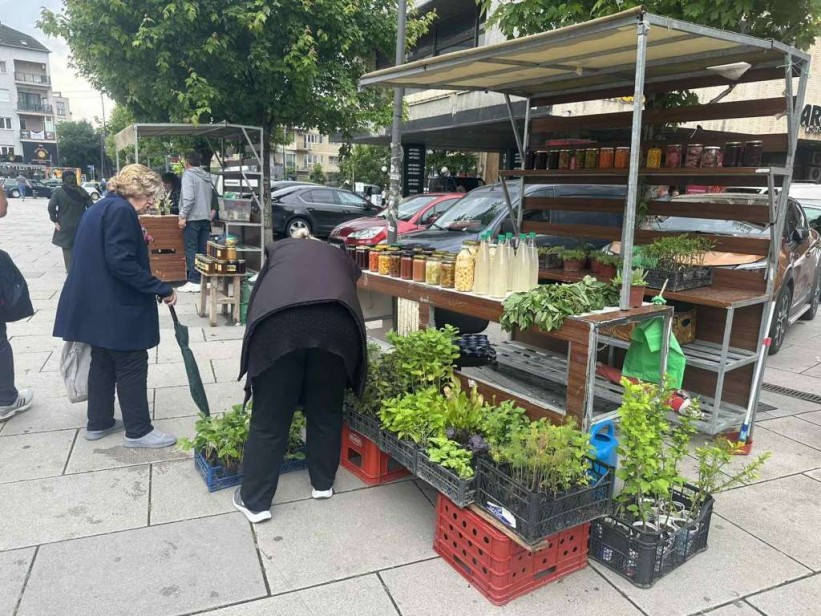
(22, 183)
(195, 216)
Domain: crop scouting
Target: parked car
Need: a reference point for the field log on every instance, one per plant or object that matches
(316, 208)
(36, 189)
(53, 183)
(415, 213)
(93, 189)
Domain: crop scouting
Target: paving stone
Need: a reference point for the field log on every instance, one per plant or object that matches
(786, 405)
(163, 570)
(796, 429)
(30, 343)
(14, 566)
(169, 351)
(38, 294)
(312, 542)
(779, 512)
(801, 598)
(29, 362)
(178, 491)
(46, 415)
(44, 384)
(108, 452)
(739, 608)
(814, 474)
(73, 506)
(42, 315)
(177, 402)
(226, 370)
(39, 328)
(173, 375)
(795, 361)
(224, 332)
(746, 565)
(430, 493)
(418, 587)
(800, 382)
(32, 456)
(814, 417)
(815, 371)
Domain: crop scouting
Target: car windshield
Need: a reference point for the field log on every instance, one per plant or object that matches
(707, 225)
(410, 206)
(474, 212)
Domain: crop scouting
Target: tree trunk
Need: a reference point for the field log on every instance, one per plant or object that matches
(265, 183)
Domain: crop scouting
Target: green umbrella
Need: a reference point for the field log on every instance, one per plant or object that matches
(191, 370)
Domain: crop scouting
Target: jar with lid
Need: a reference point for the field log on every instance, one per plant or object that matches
(564, 159)
(433, 269)
(384, 262)
(622, 158)
(419, 268)
(395, 263)
(673, 158)
(407, 266)
(447, 273)
(654, 158)
(710, 155)
(466, 266)
(591, 158)
(362, 257)
(541, 160)
(231, 252)
(733, 154)
(693, 158)
(606, 158)
(752, 153)
(553, 159)
(373, 258)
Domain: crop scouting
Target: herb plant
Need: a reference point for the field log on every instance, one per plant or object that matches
(416, 417)
(714, 474)
(573, 254)
(677, 252)
(451, 455)
(424, 358)
(638, 278)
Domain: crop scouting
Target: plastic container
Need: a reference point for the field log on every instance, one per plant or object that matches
(603, 438)
(362, 457)
(460, 491)
(404, 452)
(238, 210)
(364, 424)
(217, 478)
(680, 280)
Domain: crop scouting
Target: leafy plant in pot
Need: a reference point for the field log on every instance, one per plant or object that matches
(550, 257)
(679, 261)
(574, 259)
(605, 266)
(638, 285)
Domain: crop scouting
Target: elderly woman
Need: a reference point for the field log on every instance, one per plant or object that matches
(65, 208)
(304, 344)
(109, 301)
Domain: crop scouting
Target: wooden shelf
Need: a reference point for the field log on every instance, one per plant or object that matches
(716, 176)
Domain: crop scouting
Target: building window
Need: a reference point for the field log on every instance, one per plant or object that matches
(61, 108)
(333, 161)
(313, 159)
(311, 139)
(5, 123)
(7, 150)
(3, 68)
(23, 124)
(5, 97)
(290, 160)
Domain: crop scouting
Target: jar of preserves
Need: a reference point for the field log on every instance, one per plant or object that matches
(654, 158)
(673, 158)
(384, 263)
(693, 158)
(752, 153)
(407, 266)
(395, 263)
(553, 159)
(622, 158)
(447, 273)
(591, 158)
(710, 155)
(733, 154)
(606, 158)
(564, 159)
(466, 267)
(373, 258)
(433, 269)
(362, 257)
(541, 160)
(419, 268)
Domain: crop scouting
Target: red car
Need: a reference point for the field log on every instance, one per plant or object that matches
(416, 213)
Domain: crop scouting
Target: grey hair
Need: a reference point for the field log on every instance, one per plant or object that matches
(302, 234)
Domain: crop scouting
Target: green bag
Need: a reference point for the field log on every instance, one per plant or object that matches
(644, 355)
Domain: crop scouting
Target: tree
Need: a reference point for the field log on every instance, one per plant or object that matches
(456, 162)
(796, 22)
(258, 62)
(79, 144)
(317, 175)
(364, 163)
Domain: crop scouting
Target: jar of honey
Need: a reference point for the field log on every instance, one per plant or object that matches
(654, 158)
(606, 158)
(419, 268)
(622, 158)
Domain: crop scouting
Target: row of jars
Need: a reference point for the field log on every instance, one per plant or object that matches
(694, 155)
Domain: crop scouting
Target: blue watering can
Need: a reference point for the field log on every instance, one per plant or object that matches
(604, 441)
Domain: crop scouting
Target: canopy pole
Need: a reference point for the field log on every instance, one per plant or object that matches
(396, 129)
(513, 126)
(629, 224)
(136, 144)
(526, 143)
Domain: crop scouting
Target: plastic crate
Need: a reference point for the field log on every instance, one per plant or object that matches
(361, 456)
(459, 491)
(497, 566)
(236, 210)
(645, 557)
(680, 280)
(550, 261)
(539, 515)
(404, 452)
(365, 425)
(217, 478)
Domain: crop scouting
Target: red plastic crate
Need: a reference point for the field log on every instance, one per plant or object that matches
(496, 565)
(361, 456)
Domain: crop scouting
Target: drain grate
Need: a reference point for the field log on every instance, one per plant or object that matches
(792, 393)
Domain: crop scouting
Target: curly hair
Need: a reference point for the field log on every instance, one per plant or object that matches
(136, 180)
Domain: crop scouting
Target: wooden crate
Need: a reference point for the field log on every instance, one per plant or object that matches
(167, 251)
(684, 327)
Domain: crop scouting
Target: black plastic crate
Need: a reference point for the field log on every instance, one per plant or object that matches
(538, 515)
(460, 491)
(645, 557)
(404, 452)
(680, 280)
(364, 424)
(550, 261)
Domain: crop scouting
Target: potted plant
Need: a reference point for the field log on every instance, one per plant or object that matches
(638, 286)
(678, 260)
(549, 257)
(574, 259)
(604, 266)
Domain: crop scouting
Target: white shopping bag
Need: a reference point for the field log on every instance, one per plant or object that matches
(74, 364)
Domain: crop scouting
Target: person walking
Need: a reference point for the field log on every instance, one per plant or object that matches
(22, 184)
(304, 345)
(171, 184)
(12, 400)
(109, 302)
(65, 208)
(195, 216)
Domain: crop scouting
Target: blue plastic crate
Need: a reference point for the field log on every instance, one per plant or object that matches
(216, 477)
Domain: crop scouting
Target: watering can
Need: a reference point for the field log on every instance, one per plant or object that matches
(604, 441)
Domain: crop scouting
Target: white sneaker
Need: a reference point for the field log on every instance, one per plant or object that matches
(321, 494)
(189, 287)
(254, 517)
(23, 403)
(153, 440)
(96, 435)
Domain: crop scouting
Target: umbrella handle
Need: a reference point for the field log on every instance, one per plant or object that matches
(174, 315)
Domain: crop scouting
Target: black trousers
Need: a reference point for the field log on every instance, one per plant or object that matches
(8, 392)
(316, 379)
(128, 371)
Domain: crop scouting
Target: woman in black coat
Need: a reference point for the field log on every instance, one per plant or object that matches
(65, 208)
(304, 345)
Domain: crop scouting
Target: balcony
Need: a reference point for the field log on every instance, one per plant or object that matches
(38, 135)
(26, 107)
(32, 79)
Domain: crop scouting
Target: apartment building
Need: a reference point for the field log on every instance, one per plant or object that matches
(307, 149)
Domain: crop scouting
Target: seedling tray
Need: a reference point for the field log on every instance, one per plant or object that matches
(365, 425)
(645, 557)
(550, 261)
(538, 515)
(404, 452)
(217, 478)
(460, 491)
(680, 280)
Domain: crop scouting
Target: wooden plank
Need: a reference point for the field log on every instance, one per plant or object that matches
(482, 513)
(718, 176)
(491, 392)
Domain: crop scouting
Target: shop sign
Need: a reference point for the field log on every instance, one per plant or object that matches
(40, 153)
(811, 118)
(413, 170)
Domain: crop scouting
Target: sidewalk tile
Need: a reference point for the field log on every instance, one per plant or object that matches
(783, 512)
(739, 608)
(29, 362)
(417, 588)
(223, 332)
(169, 351)
(35, 344)
(814, 417)
(815, 474)
(313, 542)
(177, 402)
(796, 429)
(26, 328)
(173, 375)
(226, 370)
(46, 415)
(163, 570)
(795, 361)
(67, 507)
(14, 566)
(801, 382)
(32, 456)
(44, 384)
(786, 405)
(801, 598)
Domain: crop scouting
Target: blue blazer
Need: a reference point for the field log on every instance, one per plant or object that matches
(109, 299)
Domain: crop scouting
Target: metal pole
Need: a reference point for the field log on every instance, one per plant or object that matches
(526, 143)
(136, 145)
(515, 129)
(102, 139)
(396, 136)
(628, 227)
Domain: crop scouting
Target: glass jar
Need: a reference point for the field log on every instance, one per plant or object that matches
(733, 154)
(622, 158)
(606, 158)
(407, 266)
(384, 263)
(654, 158)
(673, 158)
(373, 258)
(553, 159)
(709, 157)
(752, 153)
(395, 264)
(362, 257)
(693, 158)
(530, 159)
(433, 269)
(591, 158)
(541, 160)
(466, 266)
(351, 250)
(419, 268)
(447, 273)
(564, 159)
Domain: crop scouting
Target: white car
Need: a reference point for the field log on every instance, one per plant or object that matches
(93, 190)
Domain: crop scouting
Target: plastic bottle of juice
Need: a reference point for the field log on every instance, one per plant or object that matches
(500, 269)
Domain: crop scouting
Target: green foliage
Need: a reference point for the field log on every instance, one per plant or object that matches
(415, 416)
(714, 472)
(317, 175)
(637, 279)
(572, 254)
(500, 422)
(606, 259)
(424, 358)
(464, 411)
(363, 163)
(547, 306)
(676, 252)
(456, 162)
(79, 144)
(450, 454)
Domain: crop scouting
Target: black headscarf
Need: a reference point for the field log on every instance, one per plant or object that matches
(70, 186)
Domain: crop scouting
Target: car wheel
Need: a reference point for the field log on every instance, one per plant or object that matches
(781, 319)
(296, 225)
(94, 196)
(14, 193)
(814, 300)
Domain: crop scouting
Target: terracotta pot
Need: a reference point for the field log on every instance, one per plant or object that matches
(573, 265)
(595, 266)
(636, 296)
(606, 272)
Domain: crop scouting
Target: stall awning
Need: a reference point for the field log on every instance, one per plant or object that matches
(595, 59)
(230, 132)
